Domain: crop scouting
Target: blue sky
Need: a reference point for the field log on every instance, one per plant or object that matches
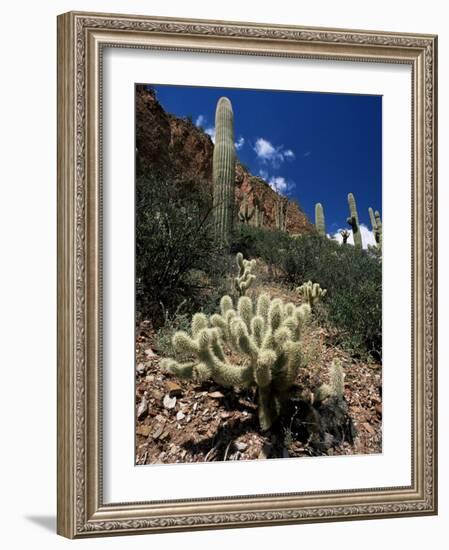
(312, 147)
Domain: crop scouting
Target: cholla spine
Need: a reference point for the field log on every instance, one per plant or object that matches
(353, 221)
(319, 219)
(223, 171)
(311, 293)
(266, 331)
(244, 278)
(336, 386)
(376, 224)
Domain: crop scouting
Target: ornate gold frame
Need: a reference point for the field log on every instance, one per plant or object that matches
(81, 37)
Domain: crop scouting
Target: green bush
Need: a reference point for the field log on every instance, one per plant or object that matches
(172, 323)
(173, 237)
(257, 242)
(352, 277)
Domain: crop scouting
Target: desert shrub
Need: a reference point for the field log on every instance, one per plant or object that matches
(172, 323)
(257, 242)
(353, 279)
(173, 237)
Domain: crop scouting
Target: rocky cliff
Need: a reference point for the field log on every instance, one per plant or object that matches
(174, 147)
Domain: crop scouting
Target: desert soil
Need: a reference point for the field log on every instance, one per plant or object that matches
(179, 421)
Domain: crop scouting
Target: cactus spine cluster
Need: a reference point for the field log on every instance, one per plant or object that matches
(311, 293)
(246, 213)
(223, 171)
(281, 214)
(244, 278)
(319, 219)
(376, 224)
(353, 221)
(336, 386)
(267, 333)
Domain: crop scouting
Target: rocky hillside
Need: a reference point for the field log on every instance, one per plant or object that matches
(174, 147)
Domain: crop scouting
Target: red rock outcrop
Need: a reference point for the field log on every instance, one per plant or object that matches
(174, 147)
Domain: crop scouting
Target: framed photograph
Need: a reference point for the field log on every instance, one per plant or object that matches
(247, 274)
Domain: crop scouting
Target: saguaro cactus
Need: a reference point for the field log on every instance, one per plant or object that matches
(258, 212)
(280, 214)
(344, 235)
(376, 224)
(244, 278)
(353, 221)
(223, 171)
(246, 213)
(267, 333)
(319, 219)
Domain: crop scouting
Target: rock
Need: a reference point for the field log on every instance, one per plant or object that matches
(142, 408)
(169, 402)
(157, 432)
(215, 395)
(143, 430)
(150, 353)
(369, 428)
(225, 414)
(173, 389)
(140, 368)
(240, 446)
(180, 415)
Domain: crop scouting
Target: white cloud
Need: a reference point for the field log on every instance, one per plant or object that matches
(211, 132)
(280, 185)
(277, 183)
(267, 152)
(367, 236)
(200, 120)
(239, 143)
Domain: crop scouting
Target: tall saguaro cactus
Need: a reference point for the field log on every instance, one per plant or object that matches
(376, 224)
(319, 219)
(280, 212)
(223, 171)
(353, 221)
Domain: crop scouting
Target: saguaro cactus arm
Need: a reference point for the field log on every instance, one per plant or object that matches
(223, 171)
